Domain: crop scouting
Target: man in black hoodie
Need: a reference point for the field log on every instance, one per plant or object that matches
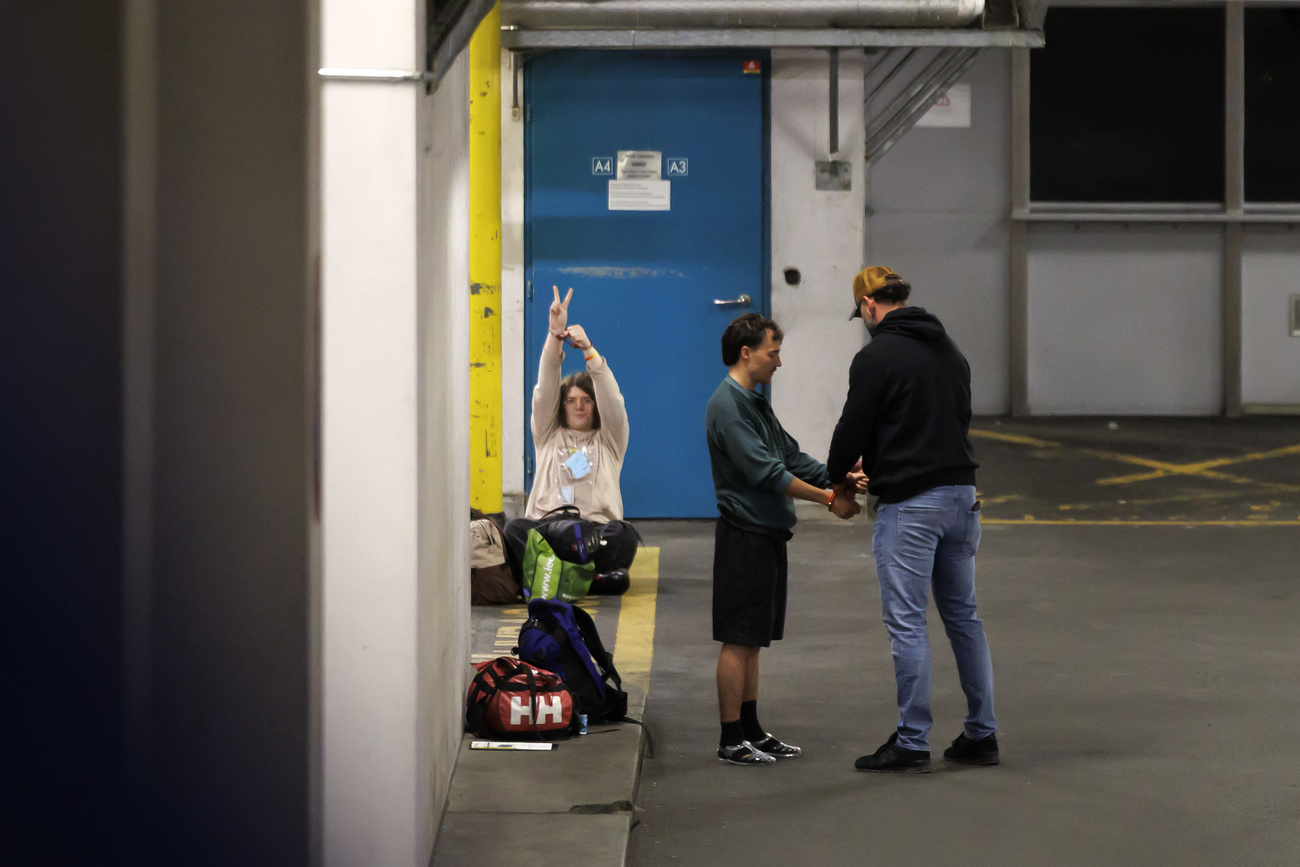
(907, 417)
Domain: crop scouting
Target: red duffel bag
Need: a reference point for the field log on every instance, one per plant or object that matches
(512, 698)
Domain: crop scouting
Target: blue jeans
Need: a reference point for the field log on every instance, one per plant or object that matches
(931, 539)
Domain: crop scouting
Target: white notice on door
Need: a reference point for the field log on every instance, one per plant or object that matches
(640, 195)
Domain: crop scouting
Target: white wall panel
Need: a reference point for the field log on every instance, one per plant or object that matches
(443, 595)
(1125, 321)
(940, 201)
(1270, 356)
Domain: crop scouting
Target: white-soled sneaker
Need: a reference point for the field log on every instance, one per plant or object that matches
(744, 753)
(776, 749)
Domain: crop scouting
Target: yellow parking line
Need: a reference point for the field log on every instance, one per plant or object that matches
(1201, 468)
(1241, 459)
(1034, 522)
(634, 645)
(1011, 438)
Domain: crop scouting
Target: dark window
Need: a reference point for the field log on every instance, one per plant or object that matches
(1273, 105)
(1126, 105)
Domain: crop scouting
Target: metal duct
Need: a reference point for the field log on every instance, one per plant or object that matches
(708, 14)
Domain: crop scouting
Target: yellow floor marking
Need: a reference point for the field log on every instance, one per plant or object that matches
(634, 645)
(1201, 468)
(1162, 469)
(1160, 501)
(1030, 521)
(1241, 459)
(1012, 438)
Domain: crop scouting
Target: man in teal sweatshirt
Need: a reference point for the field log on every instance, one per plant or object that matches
(757, 470)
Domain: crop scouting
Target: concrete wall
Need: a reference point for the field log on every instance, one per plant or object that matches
(227, 387)
(820, 233)
(1270, 356)
(941, 199)
(395, 429)
(1125, 320)
(444, 436)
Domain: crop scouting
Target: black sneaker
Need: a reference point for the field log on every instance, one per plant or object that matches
(777, 750)
(744, 753)
(610, 583)
(895, 759)
(981, 752)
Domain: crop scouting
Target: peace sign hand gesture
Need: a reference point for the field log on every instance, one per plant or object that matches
(560, 312)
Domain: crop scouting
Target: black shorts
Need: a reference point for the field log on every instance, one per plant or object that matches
(749, 585)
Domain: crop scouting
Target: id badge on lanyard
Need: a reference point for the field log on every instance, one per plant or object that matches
(573, 468)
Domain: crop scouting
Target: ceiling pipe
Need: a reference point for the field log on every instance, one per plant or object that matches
(697, 14)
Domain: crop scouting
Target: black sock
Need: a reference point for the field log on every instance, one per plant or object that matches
(749, 721)
(732, 734)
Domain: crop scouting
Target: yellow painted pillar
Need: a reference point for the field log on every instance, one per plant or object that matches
(485, 263)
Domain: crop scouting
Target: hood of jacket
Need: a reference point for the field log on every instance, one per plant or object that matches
(914, 322)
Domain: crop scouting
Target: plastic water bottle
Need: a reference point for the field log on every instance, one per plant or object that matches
(582, 723)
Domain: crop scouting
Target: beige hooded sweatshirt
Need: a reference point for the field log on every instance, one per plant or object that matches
(576, 468)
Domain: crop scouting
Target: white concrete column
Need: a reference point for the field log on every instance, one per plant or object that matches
(820, 234)
(394, 566)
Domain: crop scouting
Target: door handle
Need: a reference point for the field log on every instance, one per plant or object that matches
(728, 302)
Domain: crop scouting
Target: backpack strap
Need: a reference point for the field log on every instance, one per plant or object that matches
(560, 512)
(591, 638)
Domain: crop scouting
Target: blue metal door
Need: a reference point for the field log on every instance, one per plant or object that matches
(646, 280)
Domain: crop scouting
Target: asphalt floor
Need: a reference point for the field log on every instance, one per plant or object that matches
(1138, 580)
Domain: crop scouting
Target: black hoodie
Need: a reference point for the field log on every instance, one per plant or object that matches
(908, 410)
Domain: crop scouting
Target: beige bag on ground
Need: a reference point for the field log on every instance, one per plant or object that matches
(490, 581)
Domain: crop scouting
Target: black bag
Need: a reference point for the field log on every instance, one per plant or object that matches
(570, 536)
(562, 638)
(618, 545)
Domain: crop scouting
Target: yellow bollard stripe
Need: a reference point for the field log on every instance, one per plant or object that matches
(485, 263)
(635, 642)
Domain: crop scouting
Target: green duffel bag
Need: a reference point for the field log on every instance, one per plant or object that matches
(546, 576)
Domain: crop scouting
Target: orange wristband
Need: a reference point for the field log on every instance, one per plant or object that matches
(831, 504)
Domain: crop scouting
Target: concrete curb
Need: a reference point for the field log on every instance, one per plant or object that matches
(573, 804)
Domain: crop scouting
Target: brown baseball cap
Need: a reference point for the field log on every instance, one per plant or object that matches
(869, 281)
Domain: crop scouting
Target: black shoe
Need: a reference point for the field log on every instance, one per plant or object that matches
(744, 753)
(981, 752)
(894, 759)
(610, 583)
(776, 749)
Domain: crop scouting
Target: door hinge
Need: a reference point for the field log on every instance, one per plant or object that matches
(528, 112)
(530, 290)
(528, 465)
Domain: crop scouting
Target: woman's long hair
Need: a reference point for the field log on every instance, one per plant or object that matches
(581, 380)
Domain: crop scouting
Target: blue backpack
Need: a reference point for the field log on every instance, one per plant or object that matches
(562, 638)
